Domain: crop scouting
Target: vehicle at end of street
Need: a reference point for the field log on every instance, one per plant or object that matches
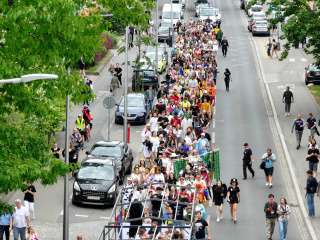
(116, 151)
(138, 109)
(312, 74)
(211, 13)
(177, 13)
(243, 4)
(260, 28)
(183, 2)
(200, 6)
(148, 76)
(197, 2)
(162, 49)
(96, 182)
(256, 17)
(161, 61)
(254, 9)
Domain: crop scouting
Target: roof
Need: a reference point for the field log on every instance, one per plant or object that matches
(108, 143)
(100, 161)
(136, 95)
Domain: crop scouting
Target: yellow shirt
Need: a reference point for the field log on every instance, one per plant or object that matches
(205, 106)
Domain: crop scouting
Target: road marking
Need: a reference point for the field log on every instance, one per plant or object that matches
(120, 130)
(213, 137)
(213, 123)
(105, 217)
(138, 131)
(303, 60)
(211, 202)
(208, 219)
(61, 213)
(78, 215)
(292, 60)
(71, 196)
(263, 49)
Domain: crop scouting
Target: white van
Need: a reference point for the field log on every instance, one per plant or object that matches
(183, 2)
(177, 13)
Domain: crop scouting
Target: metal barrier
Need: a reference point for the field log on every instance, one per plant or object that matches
(118, 229)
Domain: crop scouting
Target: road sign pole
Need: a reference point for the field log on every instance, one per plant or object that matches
(109, 123)
(125, 115)
(109, 103)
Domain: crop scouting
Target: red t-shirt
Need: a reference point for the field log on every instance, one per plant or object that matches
(175, 122)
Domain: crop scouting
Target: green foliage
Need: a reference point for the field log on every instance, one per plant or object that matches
(41, 36)
(114, 36)
(301, 22)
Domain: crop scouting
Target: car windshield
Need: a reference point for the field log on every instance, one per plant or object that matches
(153, 57)
(202, 1)
(261, 23)
(313, 68)
(164, 24)
(133, 102)
(96, 171)
(167, 15)
(163, 29)
(256, 9)
(209, 12)
(106, 151)
(202, 6)
(152, 49)
(259, 15)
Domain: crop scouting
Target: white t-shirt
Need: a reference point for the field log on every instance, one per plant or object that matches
(20, 217)
(154, 123)
(158, 178)
(188, 141)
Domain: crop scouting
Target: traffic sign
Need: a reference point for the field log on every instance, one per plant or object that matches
(109, 102)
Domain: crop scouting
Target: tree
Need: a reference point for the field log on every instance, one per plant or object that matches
(45, 36)
(302, 22)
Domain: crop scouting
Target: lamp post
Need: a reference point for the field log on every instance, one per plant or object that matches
(29, 78)
(125, 115)
(157, 41)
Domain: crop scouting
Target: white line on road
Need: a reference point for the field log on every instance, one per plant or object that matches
(208, 219)
(292, 60)
(105, 217)
(210, 202)
(120, 130)
(303, 60)
(213, 123)
(61, 213)
(78, 215)
(138, 131)
(213, 137)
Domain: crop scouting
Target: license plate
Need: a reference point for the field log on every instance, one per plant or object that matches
(131, 118)
(93, 198)
(262, 29)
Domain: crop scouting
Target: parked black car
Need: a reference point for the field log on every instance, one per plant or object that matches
(96, 182)
(118, 151)
(149, 77)
(312, 74)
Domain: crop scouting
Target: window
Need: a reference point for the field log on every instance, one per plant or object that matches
(106, 151)
(96, 171)
(133, 102)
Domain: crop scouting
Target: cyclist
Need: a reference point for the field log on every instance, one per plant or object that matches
(80, 125)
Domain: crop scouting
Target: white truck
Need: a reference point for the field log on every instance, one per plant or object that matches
(212, 13)
(177, 13)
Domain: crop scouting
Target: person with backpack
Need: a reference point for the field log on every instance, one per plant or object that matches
(311, 189)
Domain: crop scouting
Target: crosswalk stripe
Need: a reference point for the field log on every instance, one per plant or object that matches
(208, 219)
(213, 137)
(292, 60)
(303, 60)
(213, 123)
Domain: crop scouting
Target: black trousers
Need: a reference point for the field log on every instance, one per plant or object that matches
(227, 81)
(4, 229)
(246, 164)
(119, 77)
(224, 50)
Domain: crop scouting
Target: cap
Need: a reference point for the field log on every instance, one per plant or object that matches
(174, 155)
(159, 188)
(234, 180)
(85, 106)
(129, 179)
(246, 144)
(203, 134)
(79, 115)
(309, 172)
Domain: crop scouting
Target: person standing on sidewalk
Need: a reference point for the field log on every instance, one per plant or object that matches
(270, 209)
(247, 161)
(224, 46)
(6, 225)
(311, 189)
(269, 159)
(287, 99)
(150, 93)
(311, 124)
(274, 48)
(29, 198)
(283, 218)
(114, 84)
(20, 220)
(119, 71)
(312, 157)
(298, 126)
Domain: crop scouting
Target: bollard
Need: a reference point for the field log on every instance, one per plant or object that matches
(128, 135)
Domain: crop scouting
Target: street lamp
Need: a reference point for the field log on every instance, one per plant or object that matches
(29, 78)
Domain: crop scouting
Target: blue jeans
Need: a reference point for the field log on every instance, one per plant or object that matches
(283, 229)
(310, 200)
(178, 224)
(151, 103)
(19, 231)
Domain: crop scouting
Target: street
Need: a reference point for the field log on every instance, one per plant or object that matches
(243, 114)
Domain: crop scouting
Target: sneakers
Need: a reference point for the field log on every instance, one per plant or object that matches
(221, 216)
(218, 219)
(270, 185)
(253, 174)
(267, 184)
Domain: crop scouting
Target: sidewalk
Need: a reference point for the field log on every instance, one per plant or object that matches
(279, 75)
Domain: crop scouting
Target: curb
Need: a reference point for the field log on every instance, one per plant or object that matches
(286, 152)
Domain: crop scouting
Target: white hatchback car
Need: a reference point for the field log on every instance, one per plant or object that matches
(254, 9)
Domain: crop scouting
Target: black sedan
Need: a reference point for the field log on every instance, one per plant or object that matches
(312, 74)
(96, 182)
(117, 151)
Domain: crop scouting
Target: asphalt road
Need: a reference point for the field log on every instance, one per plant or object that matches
(240, 116)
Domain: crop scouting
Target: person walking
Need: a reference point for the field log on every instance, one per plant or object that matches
(274, 48)
(269, 158)
(283, 217)
(20, 220)
(233, 197)
(224, 46)
(119, 71)
(150, 94)
(298, 126)
(31, 234)
(29, 198)
(247, 161)
(114, 84)
(131, 29)
(287, 99)
(219, 192)
(6, 221)
(311, 124)
(269, 47)
(201, 226)
(311, 189)
(270, 209)
(227, 78)
(312, 157)
(111, 70)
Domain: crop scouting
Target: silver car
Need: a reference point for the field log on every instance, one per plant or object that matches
(199, 6)
(161, 50)
(163, 33)
(260, 28)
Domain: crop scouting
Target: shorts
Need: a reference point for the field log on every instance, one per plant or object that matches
(313, 166)
(268, 171)
(311, 132)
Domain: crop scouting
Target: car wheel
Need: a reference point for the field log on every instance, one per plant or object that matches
(306, 81)
(129, 170)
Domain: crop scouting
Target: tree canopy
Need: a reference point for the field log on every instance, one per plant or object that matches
(46, 36)
(301, 21)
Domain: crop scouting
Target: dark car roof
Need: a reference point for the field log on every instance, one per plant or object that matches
(100, 161)
(109, 143)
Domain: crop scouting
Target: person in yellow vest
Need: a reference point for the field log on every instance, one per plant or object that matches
(80, 125)
(185, 104)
